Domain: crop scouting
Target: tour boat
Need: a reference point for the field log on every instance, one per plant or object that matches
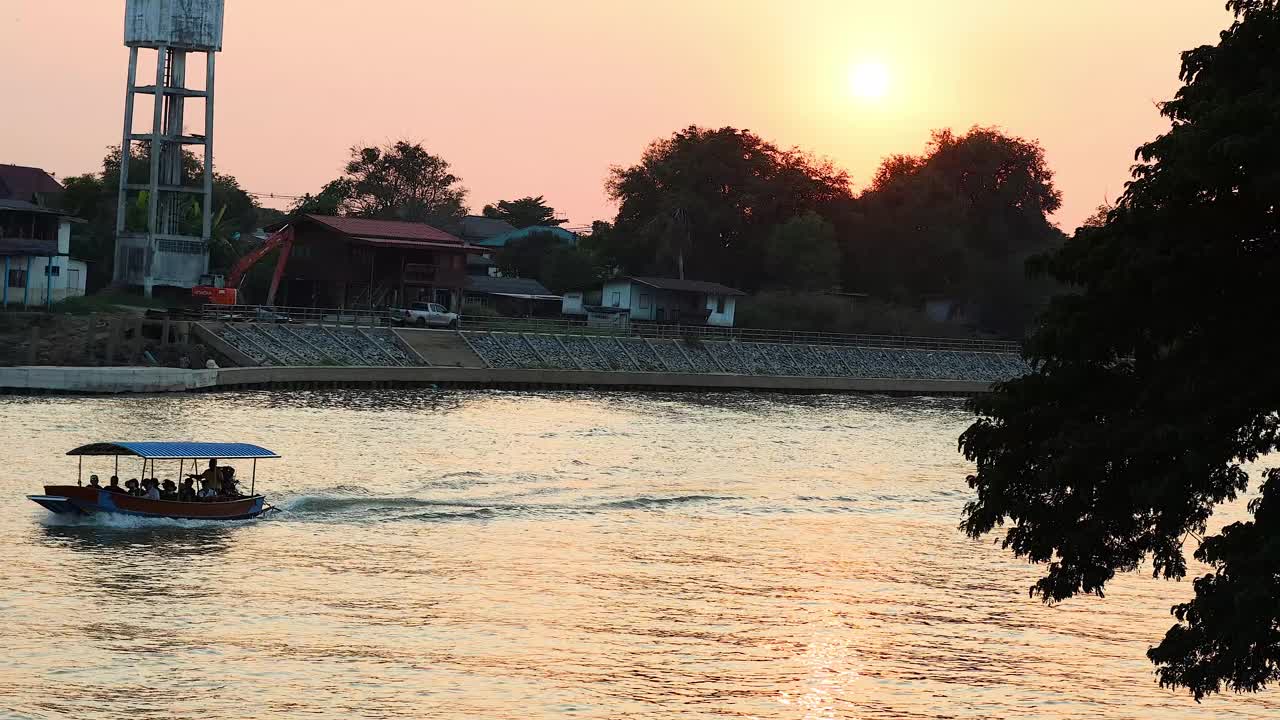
(81, 499)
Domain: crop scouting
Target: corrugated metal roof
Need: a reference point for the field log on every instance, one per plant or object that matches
(24, 206)
(697, 286)
(505, 286)
(505, 239)
(177, 450)
(479, 227)
(386, 229)
(18, 182)
(414, 244)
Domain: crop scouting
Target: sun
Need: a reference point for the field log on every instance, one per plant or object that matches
(869, 80)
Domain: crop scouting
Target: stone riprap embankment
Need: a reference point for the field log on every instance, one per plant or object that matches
(280, 345)
(569, 352)
(310, 345)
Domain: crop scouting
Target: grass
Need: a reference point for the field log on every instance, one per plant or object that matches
(106, 302)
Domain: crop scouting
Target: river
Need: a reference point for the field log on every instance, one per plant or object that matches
(553, 555)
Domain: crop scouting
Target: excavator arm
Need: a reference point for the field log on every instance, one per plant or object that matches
(281, 239)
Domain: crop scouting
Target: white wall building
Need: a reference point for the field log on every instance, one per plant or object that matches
(668, 300)
(36, 275)
(35, 241)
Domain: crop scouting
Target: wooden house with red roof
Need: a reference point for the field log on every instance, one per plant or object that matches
(359, 262)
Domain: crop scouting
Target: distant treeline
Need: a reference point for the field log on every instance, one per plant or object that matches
(956, 223)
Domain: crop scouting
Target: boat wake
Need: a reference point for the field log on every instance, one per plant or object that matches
(119, 521)
(369, 508)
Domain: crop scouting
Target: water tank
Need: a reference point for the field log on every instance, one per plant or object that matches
(186, 24)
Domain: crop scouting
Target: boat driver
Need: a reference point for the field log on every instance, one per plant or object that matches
(213, 476)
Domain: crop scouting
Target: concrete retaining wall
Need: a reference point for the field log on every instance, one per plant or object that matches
(151, 380)
(105, 379)
(520, 378)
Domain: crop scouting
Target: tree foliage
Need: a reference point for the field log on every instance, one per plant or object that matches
(569, 268)
(802, 254)
(706, 202)
(525, 212)
(959, 221)
(1148, 396)
(92, 197)
(401, 181)
(1099, 216)
(546, 258)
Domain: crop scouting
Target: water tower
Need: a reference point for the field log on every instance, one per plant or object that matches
(163, 218)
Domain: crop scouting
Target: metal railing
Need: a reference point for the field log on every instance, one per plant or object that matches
(365, 317)
(710, 332)
(565, 326)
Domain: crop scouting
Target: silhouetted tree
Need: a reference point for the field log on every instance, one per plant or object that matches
(545, 257)
(331, 200)
(525, 212)
(1153, 384)
(960, 221)
(802, 254)
(704, 203)
(1099, 216)
(401, 181)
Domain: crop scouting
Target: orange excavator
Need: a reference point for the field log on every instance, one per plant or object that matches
(219, 291)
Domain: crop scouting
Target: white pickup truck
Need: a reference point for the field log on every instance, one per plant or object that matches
(424, 314)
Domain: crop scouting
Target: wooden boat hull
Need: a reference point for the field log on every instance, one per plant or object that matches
(74, 499)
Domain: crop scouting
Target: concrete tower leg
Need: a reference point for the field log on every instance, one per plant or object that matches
(126, 144)
(157, 152)
(209, 78)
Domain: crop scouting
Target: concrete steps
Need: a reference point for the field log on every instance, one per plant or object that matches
(441, 348)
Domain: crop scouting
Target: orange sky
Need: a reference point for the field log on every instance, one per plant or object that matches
(542, 97)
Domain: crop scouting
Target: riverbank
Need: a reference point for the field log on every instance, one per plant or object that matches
(113, 380)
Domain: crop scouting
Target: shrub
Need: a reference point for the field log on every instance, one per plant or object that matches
(836, 314)
(478, 310)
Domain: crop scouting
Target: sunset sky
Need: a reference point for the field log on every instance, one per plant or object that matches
(529, 98)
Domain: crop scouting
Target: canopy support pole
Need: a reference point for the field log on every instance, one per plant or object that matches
(253, 478)
(80, 471)
(117, 472)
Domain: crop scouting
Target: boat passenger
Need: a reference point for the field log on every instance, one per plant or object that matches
(188, 491)
(114, 485)
(133, 488)
(153, 489)
(206, 491)
(229, 489)
(169, 491)
(94, 482)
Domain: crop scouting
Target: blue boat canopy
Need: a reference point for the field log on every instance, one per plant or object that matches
(177, 450)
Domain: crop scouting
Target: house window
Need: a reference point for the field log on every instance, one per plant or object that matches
(617, 299)
(644, 301)
(53, 270)
(181, 247)
(720, 304)
(18, 278)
